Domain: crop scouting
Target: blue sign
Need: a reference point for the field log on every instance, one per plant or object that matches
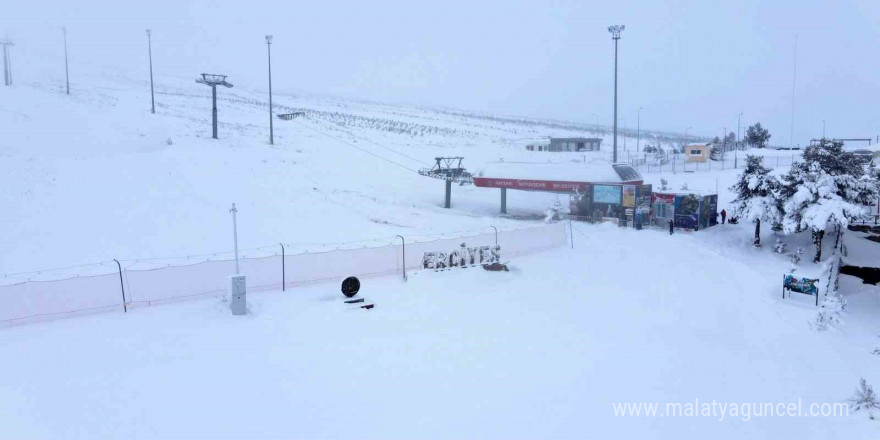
(801, 285)
(609, 194)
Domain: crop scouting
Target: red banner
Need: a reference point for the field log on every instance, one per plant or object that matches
(531, 185)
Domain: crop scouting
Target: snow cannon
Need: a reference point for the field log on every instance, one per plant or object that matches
(351, 286)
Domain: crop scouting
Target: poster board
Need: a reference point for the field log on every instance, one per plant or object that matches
(610, 194)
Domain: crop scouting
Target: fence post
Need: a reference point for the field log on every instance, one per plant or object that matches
(571, 233)
(404, 256)
(283, 281)
(124, 306)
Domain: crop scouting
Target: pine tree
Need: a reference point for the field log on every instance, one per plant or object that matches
(757, 196)
(757, 135)
(827, 189)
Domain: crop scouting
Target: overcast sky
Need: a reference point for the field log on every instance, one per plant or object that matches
(687, 63)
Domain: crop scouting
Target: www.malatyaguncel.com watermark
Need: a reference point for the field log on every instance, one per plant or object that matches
(744, 411)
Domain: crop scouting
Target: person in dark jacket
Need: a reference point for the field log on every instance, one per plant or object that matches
(670, 227)
(723, 216)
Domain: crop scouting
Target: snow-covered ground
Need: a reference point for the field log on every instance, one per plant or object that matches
(541, 351)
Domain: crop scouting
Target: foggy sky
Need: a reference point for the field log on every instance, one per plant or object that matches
(687, 63)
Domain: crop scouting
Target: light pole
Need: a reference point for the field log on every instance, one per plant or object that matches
(615, 35)
(686, 138)
(234, 211)
(597, 124)
(271, 130)
(7, 64)
(150, 50)
(738, 119)
(66, 70)
(214, 81)
(638, 129)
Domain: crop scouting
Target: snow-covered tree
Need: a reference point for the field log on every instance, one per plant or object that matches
(756, 196)
(828, 189)
(757, 135)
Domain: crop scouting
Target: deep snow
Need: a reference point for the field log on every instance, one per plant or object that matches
(540, 352)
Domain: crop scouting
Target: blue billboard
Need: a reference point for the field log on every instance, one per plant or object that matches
(609, 194)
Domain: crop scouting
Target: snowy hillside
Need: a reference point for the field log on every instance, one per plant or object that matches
(94, 176)
(547, 350)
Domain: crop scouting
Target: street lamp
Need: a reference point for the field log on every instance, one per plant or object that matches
(150, 49)
(271, 130)
(212, 80)
(638, 129)
(615, 35)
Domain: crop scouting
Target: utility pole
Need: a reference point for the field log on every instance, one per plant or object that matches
(638, 129)
(7, 62)
(66, 69)
(271, 130)
(615, 35)
(150, 50)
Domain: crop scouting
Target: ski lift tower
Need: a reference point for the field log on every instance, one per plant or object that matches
(450, 170)
(214, 81)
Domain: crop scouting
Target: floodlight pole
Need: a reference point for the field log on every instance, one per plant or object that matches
(66, 68)
(615, 35)
(150, 50)
(271, 131)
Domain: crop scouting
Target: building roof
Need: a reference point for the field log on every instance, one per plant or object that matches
(699, 144)
(597, 172)
(576, 139)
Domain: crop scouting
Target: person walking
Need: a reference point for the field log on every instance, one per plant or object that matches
(723, 216)
(670, 227)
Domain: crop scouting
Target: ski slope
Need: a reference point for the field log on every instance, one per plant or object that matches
(542, 351)
(94, 176)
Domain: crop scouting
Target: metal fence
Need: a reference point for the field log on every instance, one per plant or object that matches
(678, 163)
(114, 286)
